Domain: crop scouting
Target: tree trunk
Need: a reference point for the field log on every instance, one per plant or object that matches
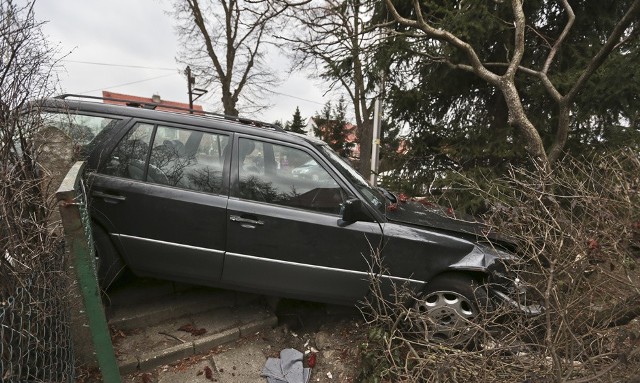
(518, 118)
(562, 132)
(229, 106)
(366, 136)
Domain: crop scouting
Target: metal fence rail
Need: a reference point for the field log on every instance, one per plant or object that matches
(35, 339)
(77, 227)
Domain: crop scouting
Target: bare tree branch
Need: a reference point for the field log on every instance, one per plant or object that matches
(505, 82)
(333, 38)
(232, 33)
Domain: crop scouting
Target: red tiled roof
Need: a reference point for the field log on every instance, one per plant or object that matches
(169, 105)
(349, 128)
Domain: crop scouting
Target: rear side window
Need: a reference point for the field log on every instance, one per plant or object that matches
(182, 158)
(82, 130)
(188, 159)
(128, 159)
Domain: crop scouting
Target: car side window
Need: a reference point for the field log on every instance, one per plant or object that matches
(286, 176)
(129, 157)
(183, 158)
(82, 129)
(187, 159)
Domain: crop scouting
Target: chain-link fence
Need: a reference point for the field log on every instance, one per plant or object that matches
(35, 339)
(37, 293)
(35, 334)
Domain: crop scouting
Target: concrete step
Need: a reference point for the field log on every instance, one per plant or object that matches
(142, 349)
(146, 317)
(179, 304)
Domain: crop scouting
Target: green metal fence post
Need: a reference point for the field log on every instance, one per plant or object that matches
(72, 205)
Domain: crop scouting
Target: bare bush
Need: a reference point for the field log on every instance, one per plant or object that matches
(25, 75)
(577, 232)
(34, 336)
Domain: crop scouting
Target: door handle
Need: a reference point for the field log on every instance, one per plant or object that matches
(113, 197)
(237, 218)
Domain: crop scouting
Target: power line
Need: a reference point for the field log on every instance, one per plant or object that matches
(154, 78)
(298, 98)
(119, 65)
(128, 83)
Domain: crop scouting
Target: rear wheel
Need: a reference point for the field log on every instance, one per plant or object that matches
(449, 309)
(109, 264)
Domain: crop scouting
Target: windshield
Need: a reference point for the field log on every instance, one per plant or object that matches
(372, 195)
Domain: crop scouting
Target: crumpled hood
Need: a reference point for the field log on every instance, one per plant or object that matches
(437, 217)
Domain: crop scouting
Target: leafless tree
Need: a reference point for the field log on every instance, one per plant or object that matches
(502, 75)
(25, 60)
(225, 43)
(332, 38)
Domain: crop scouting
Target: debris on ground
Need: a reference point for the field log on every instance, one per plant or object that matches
(286, 369)
(190, 328)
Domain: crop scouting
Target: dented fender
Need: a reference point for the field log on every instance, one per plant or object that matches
(481, 259)
(505, 286)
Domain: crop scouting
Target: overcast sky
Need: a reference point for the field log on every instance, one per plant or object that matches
(129, 46)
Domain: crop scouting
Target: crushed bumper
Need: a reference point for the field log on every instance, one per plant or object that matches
(530, 310)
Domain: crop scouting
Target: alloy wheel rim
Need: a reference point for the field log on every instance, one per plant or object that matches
(446, 317)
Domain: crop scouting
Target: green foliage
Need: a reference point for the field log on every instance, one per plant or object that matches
(458, 123)
(391, 146)
(322, 118)
(297, 124)
(331, 127)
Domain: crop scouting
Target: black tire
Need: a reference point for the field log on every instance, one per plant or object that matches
(109, 264)
(449, 309)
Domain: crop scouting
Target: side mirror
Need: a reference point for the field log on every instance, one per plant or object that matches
(353, 210)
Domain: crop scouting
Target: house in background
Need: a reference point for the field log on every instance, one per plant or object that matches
(167, 106)
(315, 124)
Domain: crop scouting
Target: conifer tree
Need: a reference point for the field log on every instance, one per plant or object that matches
(297, 124)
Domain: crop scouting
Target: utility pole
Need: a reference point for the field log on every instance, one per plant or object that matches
(377, 124)
(191, 81)
(377, 131)
(375, 145)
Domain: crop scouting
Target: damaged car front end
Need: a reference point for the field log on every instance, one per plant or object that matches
(504, 283)
(472, 271)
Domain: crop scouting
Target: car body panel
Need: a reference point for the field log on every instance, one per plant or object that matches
(164, 231)
(222, 239)
(435, 217)
(298, 253)
(422, 253)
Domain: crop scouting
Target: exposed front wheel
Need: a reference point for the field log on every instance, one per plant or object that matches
(448, 310)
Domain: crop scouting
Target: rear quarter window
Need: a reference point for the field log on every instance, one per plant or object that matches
(82, 130)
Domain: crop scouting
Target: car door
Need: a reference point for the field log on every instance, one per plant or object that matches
(285, 235)
(162, 196)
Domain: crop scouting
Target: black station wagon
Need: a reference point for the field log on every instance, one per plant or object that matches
(222, 201)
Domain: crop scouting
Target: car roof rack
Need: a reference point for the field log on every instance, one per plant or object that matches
(192, 112)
